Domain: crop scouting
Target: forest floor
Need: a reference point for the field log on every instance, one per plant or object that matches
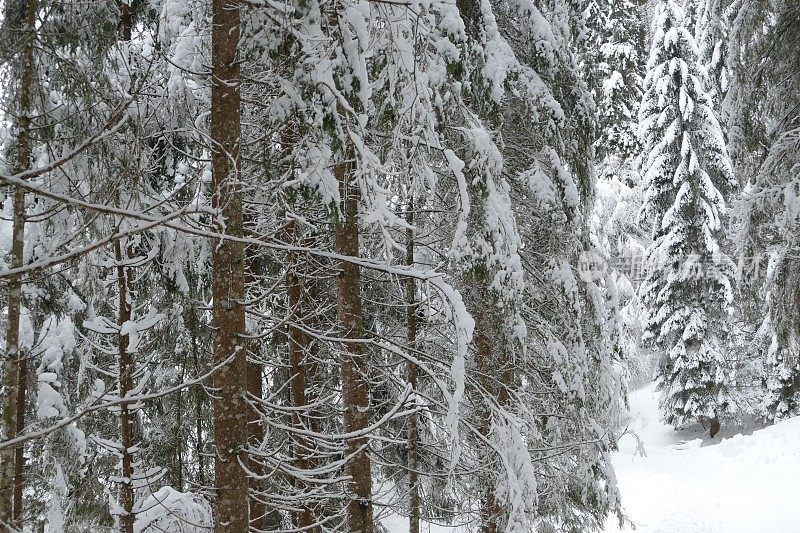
(690, 483)
(742, 481)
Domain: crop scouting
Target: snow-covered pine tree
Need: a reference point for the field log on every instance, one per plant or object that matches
(711, 28)
(764, 132)
(614, 66)
(688, 287)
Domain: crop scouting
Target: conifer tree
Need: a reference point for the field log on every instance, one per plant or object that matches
(764, 133)
(688, 174)
(614, 64)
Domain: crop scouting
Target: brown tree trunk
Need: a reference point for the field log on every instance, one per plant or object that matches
(490, 508)
(714, 427)
(411, 341)
(125, 369)
(125, 24)
(230, 406)
(125, 359)
(496, 377)
(14, 362)
(19, 455)
(13, 378)
(258, 510)
(353, 368)
(255, 388)
(298, 340)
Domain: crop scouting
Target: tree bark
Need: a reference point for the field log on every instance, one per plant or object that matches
(125, 24)
(353, 366)
(298, 348)
(13, 378)
(230, 406)
(496, 377)
(411, 341)
(255, 388)
(124, 357)
(19, 455)
(125, 371)
(490, 507)
(14, 362)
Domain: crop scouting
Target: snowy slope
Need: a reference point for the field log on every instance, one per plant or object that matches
(733, 484)
(689, 483)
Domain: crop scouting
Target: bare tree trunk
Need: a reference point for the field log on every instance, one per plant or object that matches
(490, 507)
(14, 362)
(355, 387)
(199, 394)
(411, 341)
(496, 377)
(298, 340)
(125, 24)
(255, 388)
(230, 406)
(13, 379)
(125, 370)
(258, 510)
(125, 360)
(19, 455)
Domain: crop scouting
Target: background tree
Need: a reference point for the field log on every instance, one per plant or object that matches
(688, 288)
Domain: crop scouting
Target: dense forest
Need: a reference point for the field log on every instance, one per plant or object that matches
(313, 265)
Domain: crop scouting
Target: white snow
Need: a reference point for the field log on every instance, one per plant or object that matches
(690, 483)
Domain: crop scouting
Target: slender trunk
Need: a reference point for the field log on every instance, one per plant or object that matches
(125, 358)
(125, 369)
(355, 387)
(198, 435)
(14, 362)
(230, 405)
(125, 24)
(13, 379)
(496, 377)
(298, 345)
(199, 397)
(255, 388)
(490, 507)
(411, 340)
(258, 510)
(199, 394)
(180, 442)
(19, 456)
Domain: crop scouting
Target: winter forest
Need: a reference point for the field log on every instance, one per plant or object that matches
(389, 266)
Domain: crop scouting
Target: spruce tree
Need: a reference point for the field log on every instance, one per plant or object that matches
(614, 68)
(762, 104)
(688, 174)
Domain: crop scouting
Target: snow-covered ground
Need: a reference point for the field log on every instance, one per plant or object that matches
(730, 484)
(690, 483)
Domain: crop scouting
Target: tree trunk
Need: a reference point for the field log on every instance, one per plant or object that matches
(355, 387)
(714, 427)
(19, 455)
(230, 406)
(13, 379)
(125, 359)
(255, 388)
(125, 370)
(411, 341)
(304, 518)
(14, 362)
(125, 24)
(490, 508)
(496, 376)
